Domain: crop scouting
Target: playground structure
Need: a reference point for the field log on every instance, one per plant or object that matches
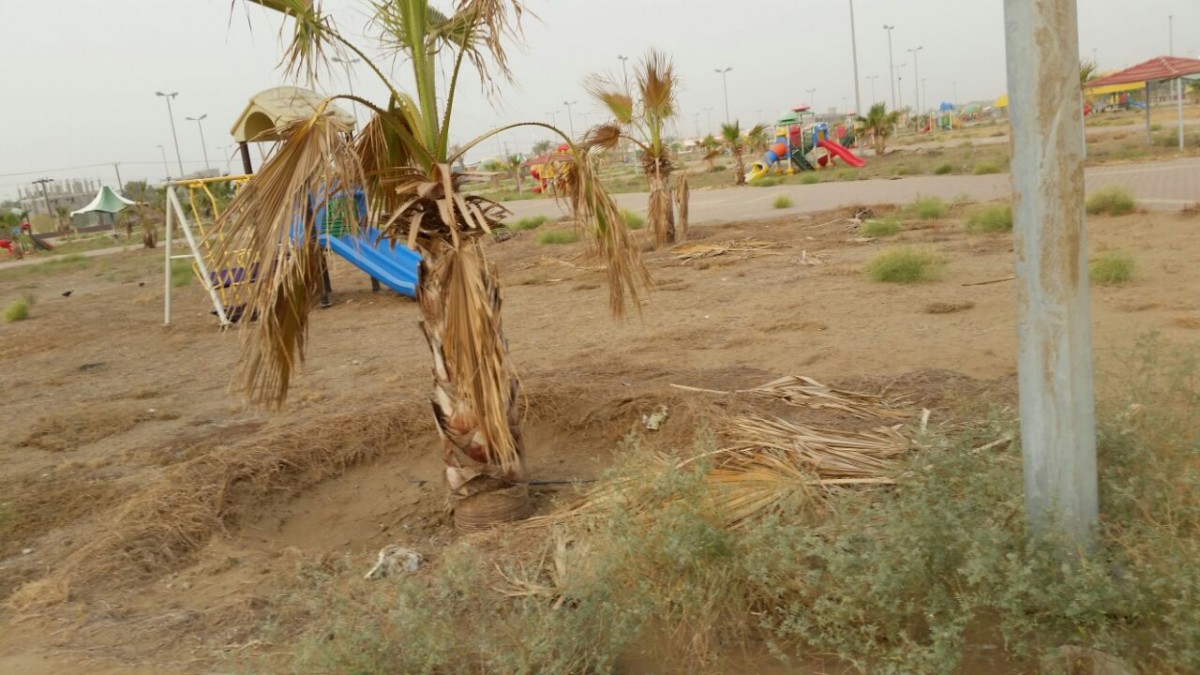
(226, 271)
(545, 169)
(805, 149)
(22, 241)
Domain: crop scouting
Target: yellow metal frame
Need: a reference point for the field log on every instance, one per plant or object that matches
(213, 241)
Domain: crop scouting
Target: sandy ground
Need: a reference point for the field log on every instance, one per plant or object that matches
(107, 410)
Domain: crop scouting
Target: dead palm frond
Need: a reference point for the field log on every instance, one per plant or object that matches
(311, 35)
(745, 247)
(828, 454)
(272, 217)
(805, 392)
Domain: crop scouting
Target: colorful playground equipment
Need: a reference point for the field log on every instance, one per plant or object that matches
(226, 272)
(545, 171)
(799, 148)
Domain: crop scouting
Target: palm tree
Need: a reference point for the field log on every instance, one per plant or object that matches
(1087, 71)
(758, 138)
(400, 161)
(731, 135)
(712, 150)
(644, 123)
(542, 147)
(513, 163)
(879, 123)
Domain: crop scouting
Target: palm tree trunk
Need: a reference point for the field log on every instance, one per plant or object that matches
(459, 297)
(739, 164)
(662, 213)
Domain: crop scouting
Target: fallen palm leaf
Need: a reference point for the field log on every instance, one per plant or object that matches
(826, 453)
(805, 392)
(746, 247)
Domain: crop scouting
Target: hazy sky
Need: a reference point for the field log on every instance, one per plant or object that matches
(79, 76)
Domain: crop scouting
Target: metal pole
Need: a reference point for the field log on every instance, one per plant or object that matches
(725, 83)
(1179, 104)
(45, 195)
(170, 233)
(1149, 137)
(871, 79)
(570, 116)
(174, 136)
(916, 81)
(203, 145)
(166, 168)
(891, 66)
(120, 183)
(1054, 350)
(854, 49)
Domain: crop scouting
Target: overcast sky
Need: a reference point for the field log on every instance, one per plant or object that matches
(79, 76)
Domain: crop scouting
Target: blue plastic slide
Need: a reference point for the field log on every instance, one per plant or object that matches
(394, 266)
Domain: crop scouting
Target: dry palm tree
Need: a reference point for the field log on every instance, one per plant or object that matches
(731, 136)
(758, 138)
(879, 123)
(712, 150)
(400, 161)
(643, 121)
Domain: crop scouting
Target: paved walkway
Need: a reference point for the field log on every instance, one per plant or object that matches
(1160, 185)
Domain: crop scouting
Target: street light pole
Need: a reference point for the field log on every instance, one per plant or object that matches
(166, 169)
(708, 110)
(871, 79)
(1170, 35)
(120, 183)
(625, 71)
(899, 80)
(724, 75)
(203, 146)
(891, 65)
(571, 117)
(916, 80)
(1054, 338)
(854, 50)
(812, 99)
(45, 195)
(174, 136)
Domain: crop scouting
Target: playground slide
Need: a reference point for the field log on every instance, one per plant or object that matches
(760, 168)
(394, 267)
(839, 150)
(1134, 103)
(41, 243)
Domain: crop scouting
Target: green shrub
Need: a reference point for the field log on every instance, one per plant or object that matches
(809, 177)
(991, 218)
(880, 228)
(769, 181)
(529, 223)
(632, 220)
(928, 208)
(983, 168)
(17, 310)
(904, 265)
(1112, 268)
(1113, 200)
(782, 202)
(943, 169)
(558, 237)
(848, 174)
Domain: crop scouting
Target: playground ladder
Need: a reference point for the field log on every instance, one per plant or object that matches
(175, 212)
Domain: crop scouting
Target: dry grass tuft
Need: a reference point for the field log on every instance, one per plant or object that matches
(86, 424)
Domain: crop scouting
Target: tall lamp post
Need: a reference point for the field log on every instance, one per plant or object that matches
(625, 70)
(916, 80)
(812, 100)
(166, 169)
(174, 136)
(854, 50)
(203, 146)
(891, 65)
(571, 117)
(724, 73)
(871, 79)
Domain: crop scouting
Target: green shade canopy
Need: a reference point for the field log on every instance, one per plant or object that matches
(106, 201)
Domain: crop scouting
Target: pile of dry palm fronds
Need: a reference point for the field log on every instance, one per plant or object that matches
(765, 462)
(741, 248)
(805, 392)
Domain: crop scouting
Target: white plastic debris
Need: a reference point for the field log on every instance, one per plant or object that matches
(655, 420)
(394, 560)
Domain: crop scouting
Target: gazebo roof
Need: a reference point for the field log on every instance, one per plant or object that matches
(270, 110)
(1157, 68)
(106, 201)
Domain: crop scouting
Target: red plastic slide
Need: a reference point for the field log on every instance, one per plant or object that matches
(847, 156)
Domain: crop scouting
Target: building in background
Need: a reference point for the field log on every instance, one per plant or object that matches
(68, 194)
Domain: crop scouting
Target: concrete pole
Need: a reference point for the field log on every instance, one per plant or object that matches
(1054, 346)
(120, 183)
(891, 66)
(854, 49)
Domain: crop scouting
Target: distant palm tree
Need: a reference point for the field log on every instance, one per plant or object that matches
(758, 138)
(400, 160)
(1087, 71)
(880, 124)
(731, 134)
(513, 163)
(643, 121)
(542, 147)
(712, 150)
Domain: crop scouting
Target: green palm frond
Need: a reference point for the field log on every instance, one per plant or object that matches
(311, 35)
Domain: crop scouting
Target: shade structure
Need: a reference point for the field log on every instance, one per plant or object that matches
(1157, 69)
(106, 201)
(270, 110)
